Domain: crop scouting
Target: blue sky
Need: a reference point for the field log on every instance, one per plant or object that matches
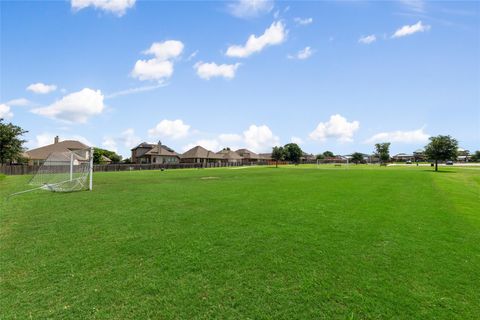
(330, 75)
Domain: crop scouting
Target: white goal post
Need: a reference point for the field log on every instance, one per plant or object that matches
(65, 171)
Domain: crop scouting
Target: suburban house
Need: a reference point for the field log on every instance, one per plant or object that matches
(265, 156)
(463, 155)
(248, 156)
(199, 154)
(228, 155)
(419, 155)
(403, 157)
(307, 157)
(148, 153)
(39, 155)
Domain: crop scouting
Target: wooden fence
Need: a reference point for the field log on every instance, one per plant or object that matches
(19, 169)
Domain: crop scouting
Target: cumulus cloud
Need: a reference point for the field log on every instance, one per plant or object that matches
(367, 39)
(75, 107)
(44, 139)
(411, 29)
(126, 140)
(161, 66)
(250, 8)
(118, 7)
(302, 54)
(174, 129)
(21, 102)
(273, 35)
(260, 138)
(414, 136)
(110, 144)
(230, 138)
(303, 21)
(41, 88)
(296, 140)
(5, 112)
(211, 70)
(337, 127)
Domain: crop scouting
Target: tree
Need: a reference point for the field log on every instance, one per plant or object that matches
(293, 152)
(98, 153)
(278, 154)
(476, 156)
(357, 157)
(320, 156)
(328, 154)
(441, 148)
(11, 146)
(383, 151)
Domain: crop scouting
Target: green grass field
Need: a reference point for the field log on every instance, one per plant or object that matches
(255, 243)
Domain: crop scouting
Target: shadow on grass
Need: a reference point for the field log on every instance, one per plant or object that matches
(439, 171)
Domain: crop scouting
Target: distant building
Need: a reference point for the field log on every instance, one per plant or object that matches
(37, 156)
(199, 154)
(249, 156)
(402, 157)
(228, 155)
(148, 153)
(463, 155)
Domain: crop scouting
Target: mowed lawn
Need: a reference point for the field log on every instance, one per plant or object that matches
(255, 243)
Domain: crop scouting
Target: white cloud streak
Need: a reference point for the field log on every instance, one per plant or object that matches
(273, 35)
(250, 8)
(303, 21)
(411, 29)
(117, 7)
(368, 39)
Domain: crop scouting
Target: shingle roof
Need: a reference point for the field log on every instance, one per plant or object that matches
(200, 152)
(63, 146)
(229, 155)
(247, 154)
(164, 151)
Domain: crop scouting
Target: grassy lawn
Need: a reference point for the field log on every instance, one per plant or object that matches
(256, 243)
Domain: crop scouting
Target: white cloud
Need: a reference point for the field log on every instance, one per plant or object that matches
(21, 102)
(273, 35)
(110, 144)
(165, 50)
(209, 144)
(118, 7)
(211, 70)
(250, 8)
(302, 54)
(230, 138)
(337, 127)
(414, 136)
(411, 29)
(260, 138)
(41, 88)
(161, 66)
(192, 55)
(174, 129)
(75, 107)
(152, 69)
(5, 112)
(367, 39)
(414, 5)
(303, 21)
(44, 139)
(296, 140)
(134, 90)
(129, 139)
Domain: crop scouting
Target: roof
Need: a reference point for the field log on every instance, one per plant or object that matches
(200, 152)
(62, 146)
(265, 156)
(103, 158)
(247, 154)
(164, 151)
(229, 155)
(145, 145)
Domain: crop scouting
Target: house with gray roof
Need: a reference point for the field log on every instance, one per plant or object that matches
(149, 153)
(199, 154)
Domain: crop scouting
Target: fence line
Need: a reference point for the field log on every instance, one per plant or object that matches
(21, 169)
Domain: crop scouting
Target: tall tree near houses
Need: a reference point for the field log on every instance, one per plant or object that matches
(278, 154)
(382, 150)
(357, 157)
(11, 144)
(293, 152)
(328, 154)
(441, 148)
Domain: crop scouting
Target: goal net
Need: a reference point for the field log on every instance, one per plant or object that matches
(65, 172)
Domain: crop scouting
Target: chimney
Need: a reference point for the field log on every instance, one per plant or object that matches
(55, 140)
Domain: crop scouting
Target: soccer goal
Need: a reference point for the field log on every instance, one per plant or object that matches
(64, 172)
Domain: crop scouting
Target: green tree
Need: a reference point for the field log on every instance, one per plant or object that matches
(278, 154)
(476, 156)
(328, 154)
(11, 144)
(357, 157)
(293, 152)
(382, 150)
(441, 148)
(320, 156)
(98, 153)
